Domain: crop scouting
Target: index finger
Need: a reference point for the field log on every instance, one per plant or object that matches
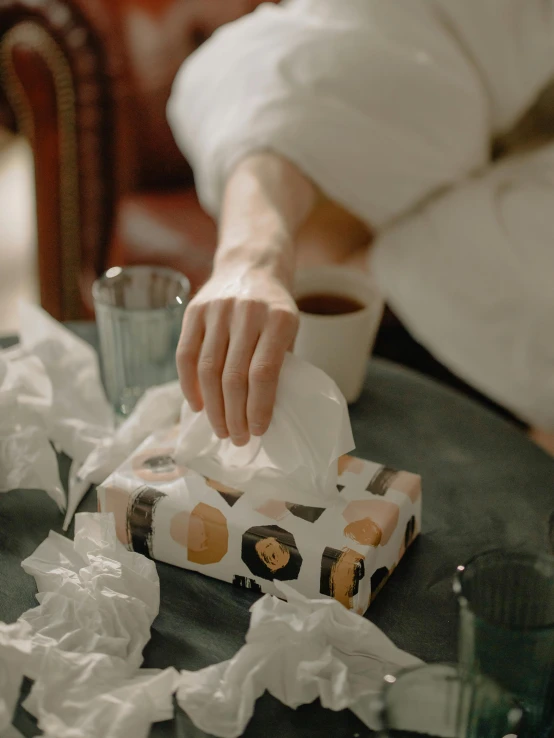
(188, 352)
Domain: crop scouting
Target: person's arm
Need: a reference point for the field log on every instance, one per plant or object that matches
(238, 328)
(266, 201)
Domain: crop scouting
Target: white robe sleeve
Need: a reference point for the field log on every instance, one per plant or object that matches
(381, 103)
(371, 99)
(385, 105)
(471, 275)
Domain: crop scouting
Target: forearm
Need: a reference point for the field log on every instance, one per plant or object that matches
(266, 201)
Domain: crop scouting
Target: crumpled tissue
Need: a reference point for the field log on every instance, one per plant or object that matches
(15, 651)
(83, 644)
(27, 460)
(79, 413)
(297, 650)
(51, 391)
(158, 408)
(94, 595)
(90, 695)
(299, 453)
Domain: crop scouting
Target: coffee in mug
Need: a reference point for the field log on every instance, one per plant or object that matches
(328, 304)
(340, 314)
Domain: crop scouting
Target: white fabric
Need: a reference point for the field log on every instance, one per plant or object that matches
(387, 105)
(471, 275)
(341, 89)
(409, 91)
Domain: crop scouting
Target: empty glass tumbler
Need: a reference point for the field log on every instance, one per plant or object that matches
(507, 629)
(441, 700)
(139, 311)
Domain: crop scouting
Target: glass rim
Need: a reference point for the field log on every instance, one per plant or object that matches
(514, 554)
(450, 669)
(389, 681)
(105, 278)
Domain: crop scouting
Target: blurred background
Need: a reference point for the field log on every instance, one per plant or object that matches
(18, 241)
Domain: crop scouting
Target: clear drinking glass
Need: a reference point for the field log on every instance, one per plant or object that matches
(507, 629)
(139, 311)
(441, 700)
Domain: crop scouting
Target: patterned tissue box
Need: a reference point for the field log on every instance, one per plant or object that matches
(346, 551)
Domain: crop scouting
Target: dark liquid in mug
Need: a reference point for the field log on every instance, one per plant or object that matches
(326, 304)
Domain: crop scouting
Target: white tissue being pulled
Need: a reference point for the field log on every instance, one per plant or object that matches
(296, 459)
(83, 644)
(51, 393)
(297, 650)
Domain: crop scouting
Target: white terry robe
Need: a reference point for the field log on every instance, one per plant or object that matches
(390, 107)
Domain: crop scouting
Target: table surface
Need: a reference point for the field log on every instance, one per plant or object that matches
(485, 485)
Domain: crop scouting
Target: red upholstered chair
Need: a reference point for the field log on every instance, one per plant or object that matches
(87, 81)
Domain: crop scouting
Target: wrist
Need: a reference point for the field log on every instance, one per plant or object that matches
(273, 257)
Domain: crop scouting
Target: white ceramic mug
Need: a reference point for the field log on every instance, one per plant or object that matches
(340, 344)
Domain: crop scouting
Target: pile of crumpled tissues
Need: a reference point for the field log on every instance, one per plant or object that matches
(82, 646)
(51, 397)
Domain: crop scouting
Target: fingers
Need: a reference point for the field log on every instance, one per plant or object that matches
(229, 360)
(210, 366)
(245, 332)
(265, 368)
(188, 351)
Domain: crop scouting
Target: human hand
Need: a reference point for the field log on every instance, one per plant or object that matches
(235, 335)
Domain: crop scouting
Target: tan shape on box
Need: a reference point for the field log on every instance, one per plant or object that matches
(350, 464)
(274, 509)
(230, 495)
(364, 531)
(203, 532)
(383, 513)
(117, 502)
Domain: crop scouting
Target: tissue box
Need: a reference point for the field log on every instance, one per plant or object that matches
(346, 551)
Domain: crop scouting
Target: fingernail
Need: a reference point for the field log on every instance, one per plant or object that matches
(221, 433)
(195, 405)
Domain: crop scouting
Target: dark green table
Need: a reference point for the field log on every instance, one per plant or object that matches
(485, 485)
